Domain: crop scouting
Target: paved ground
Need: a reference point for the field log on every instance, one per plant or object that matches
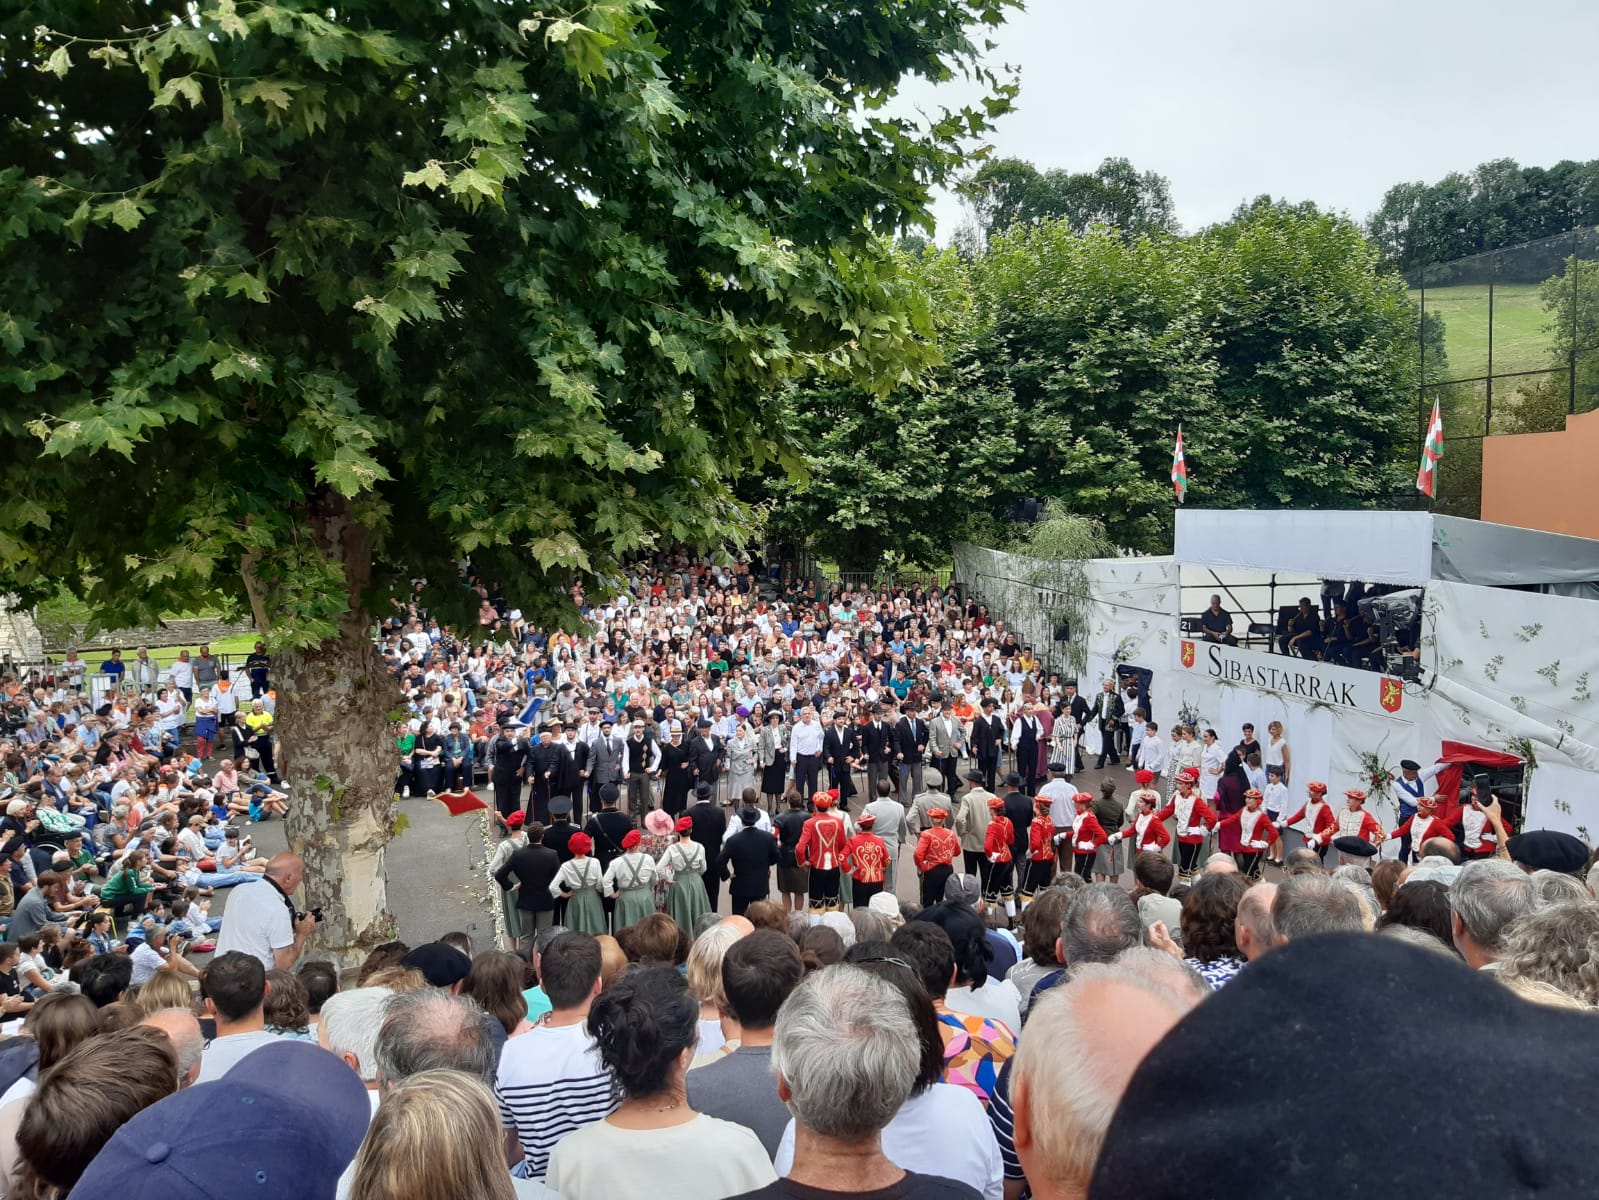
(431, 876)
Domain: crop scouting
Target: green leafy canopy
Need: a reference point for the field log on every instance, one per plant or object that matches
(304, 301)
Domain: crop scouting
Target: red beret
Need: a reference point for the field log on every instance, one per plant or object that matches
(683, 825)
(632, 838)
(1145, 778)
(580, 843)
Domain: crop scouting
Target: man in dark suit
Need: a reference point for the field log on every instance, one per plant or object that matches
(988, 742)
(574, 769)
(557, 837)
(877, 743)
(1108, 711)
(533, 867)
(544, 769)
(751, 854)
(607, 828)
(840, 752)
(1082, 712)
(1019, 808)
(705, 755)
(910, 747)
(710, 824)
(508, 762)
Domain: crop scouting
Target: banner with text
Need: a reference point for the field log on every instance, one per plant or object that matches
(1295, 679)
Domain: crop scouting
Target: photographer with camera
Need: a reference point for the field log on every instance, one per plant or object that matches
(260, 919)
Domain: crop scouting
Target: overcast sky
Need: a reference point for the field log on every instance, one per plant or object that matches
(1332, 101)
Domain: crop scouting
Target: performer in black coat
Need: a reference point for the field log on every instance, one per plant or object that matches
(533, 867)
(544, 769)
(751, 854)
(706, 755)
(509, 757)
(988, 742)
(710, 824)
(841, 750)
(677, 770)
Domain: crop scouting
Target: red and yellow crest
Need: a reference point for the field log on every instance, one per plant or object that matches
(1188, 654)
(1392, 694)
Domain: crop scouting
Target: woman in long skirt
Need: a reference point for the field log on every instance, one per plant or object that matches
(772, 757)
(579, 883)
(513, 841)
(687, 901)
(740, 761)
(631, 879)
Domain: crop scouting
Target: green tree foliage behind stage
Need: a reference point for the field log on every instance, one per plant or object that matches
(1068, 359)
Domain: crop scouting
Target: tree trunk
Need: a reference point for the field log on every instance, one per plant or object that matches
(333, 721)
(334, 708)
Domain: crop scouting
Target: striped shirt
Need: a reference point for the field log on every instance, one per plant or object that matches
(550, 1082)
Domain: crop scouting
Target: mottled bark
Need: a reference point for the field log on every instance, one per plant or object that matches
(334, 705)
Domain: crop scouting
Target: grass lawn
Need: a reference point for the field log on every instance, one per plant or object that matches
(1521, 341)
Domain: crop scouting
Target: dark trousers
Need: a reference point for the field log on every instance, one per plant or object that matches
(862, 893)
(933, 884)
(824, 888)
(1248, 862)
(741, 903)
(713, 887)
(405, 779)
(1188, 856)
(1406, 812)
(638, 792)
(456, 777)
(1029, 773)
(1107, 746)
(507, 794)
(975, 862)
(263, 747)
(1039, 876)
(946, 768)
(990, 770)
(998, 885)
(805, 773)
(1083, 864)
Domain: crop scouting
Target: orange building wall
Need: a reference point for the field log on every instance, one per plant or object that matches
(1544, 480)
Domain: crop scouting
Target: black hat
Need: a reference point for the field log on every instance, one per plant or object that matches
(989, 702)
(1057, 768)
(442, 966)
(1548, 850)
(703, 723)
(1358, 847)
(877, 708)
(1071, 683)
(1157, 1145)
(1013, 780)
(974, 776)
(1409, 764)
(609, 793)
(702, 791)
(749, 815)
(560, 806)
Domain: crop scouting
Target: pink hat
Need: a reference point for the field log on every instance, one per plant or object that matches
(659, 823)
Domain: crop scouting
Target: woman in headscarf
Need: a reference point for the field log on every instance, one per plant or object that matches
(631, 879)
(684, 864)
(579, 883)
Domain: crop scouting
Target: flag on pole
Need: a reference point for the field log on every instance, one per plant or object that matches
(1431, 451)
(1179, 468)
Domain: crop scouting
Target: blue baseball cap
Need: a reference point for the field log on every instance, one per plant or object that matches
(289, 1118)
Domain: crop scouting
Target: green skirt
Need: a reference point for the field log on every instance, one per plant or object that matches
(633, 905)
(585, 912)
(687, 902)
(513, 918)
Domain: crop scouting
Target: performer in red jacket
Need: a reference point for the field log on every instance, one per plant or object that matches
(1087, 836)
(1355, 821)
(1040, 851)
(1423, 826)
(1256, 833)
(866, 856)
(1194, 818)
(997, 849)
(821, 848)
(1315, 820)
(936, 850)
(1144, 826)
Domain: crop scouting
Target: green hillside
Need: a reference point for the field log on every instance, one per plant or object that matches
(1521, 340)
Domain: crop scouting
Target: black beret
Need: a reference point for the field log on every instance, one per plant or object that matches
(442, 966)
(1159, 1143)
(560, 806)
(1548, 850)
(1357, 846)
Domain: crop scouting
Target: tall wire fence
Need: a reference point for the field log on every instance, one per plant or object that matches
(1508, 343)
